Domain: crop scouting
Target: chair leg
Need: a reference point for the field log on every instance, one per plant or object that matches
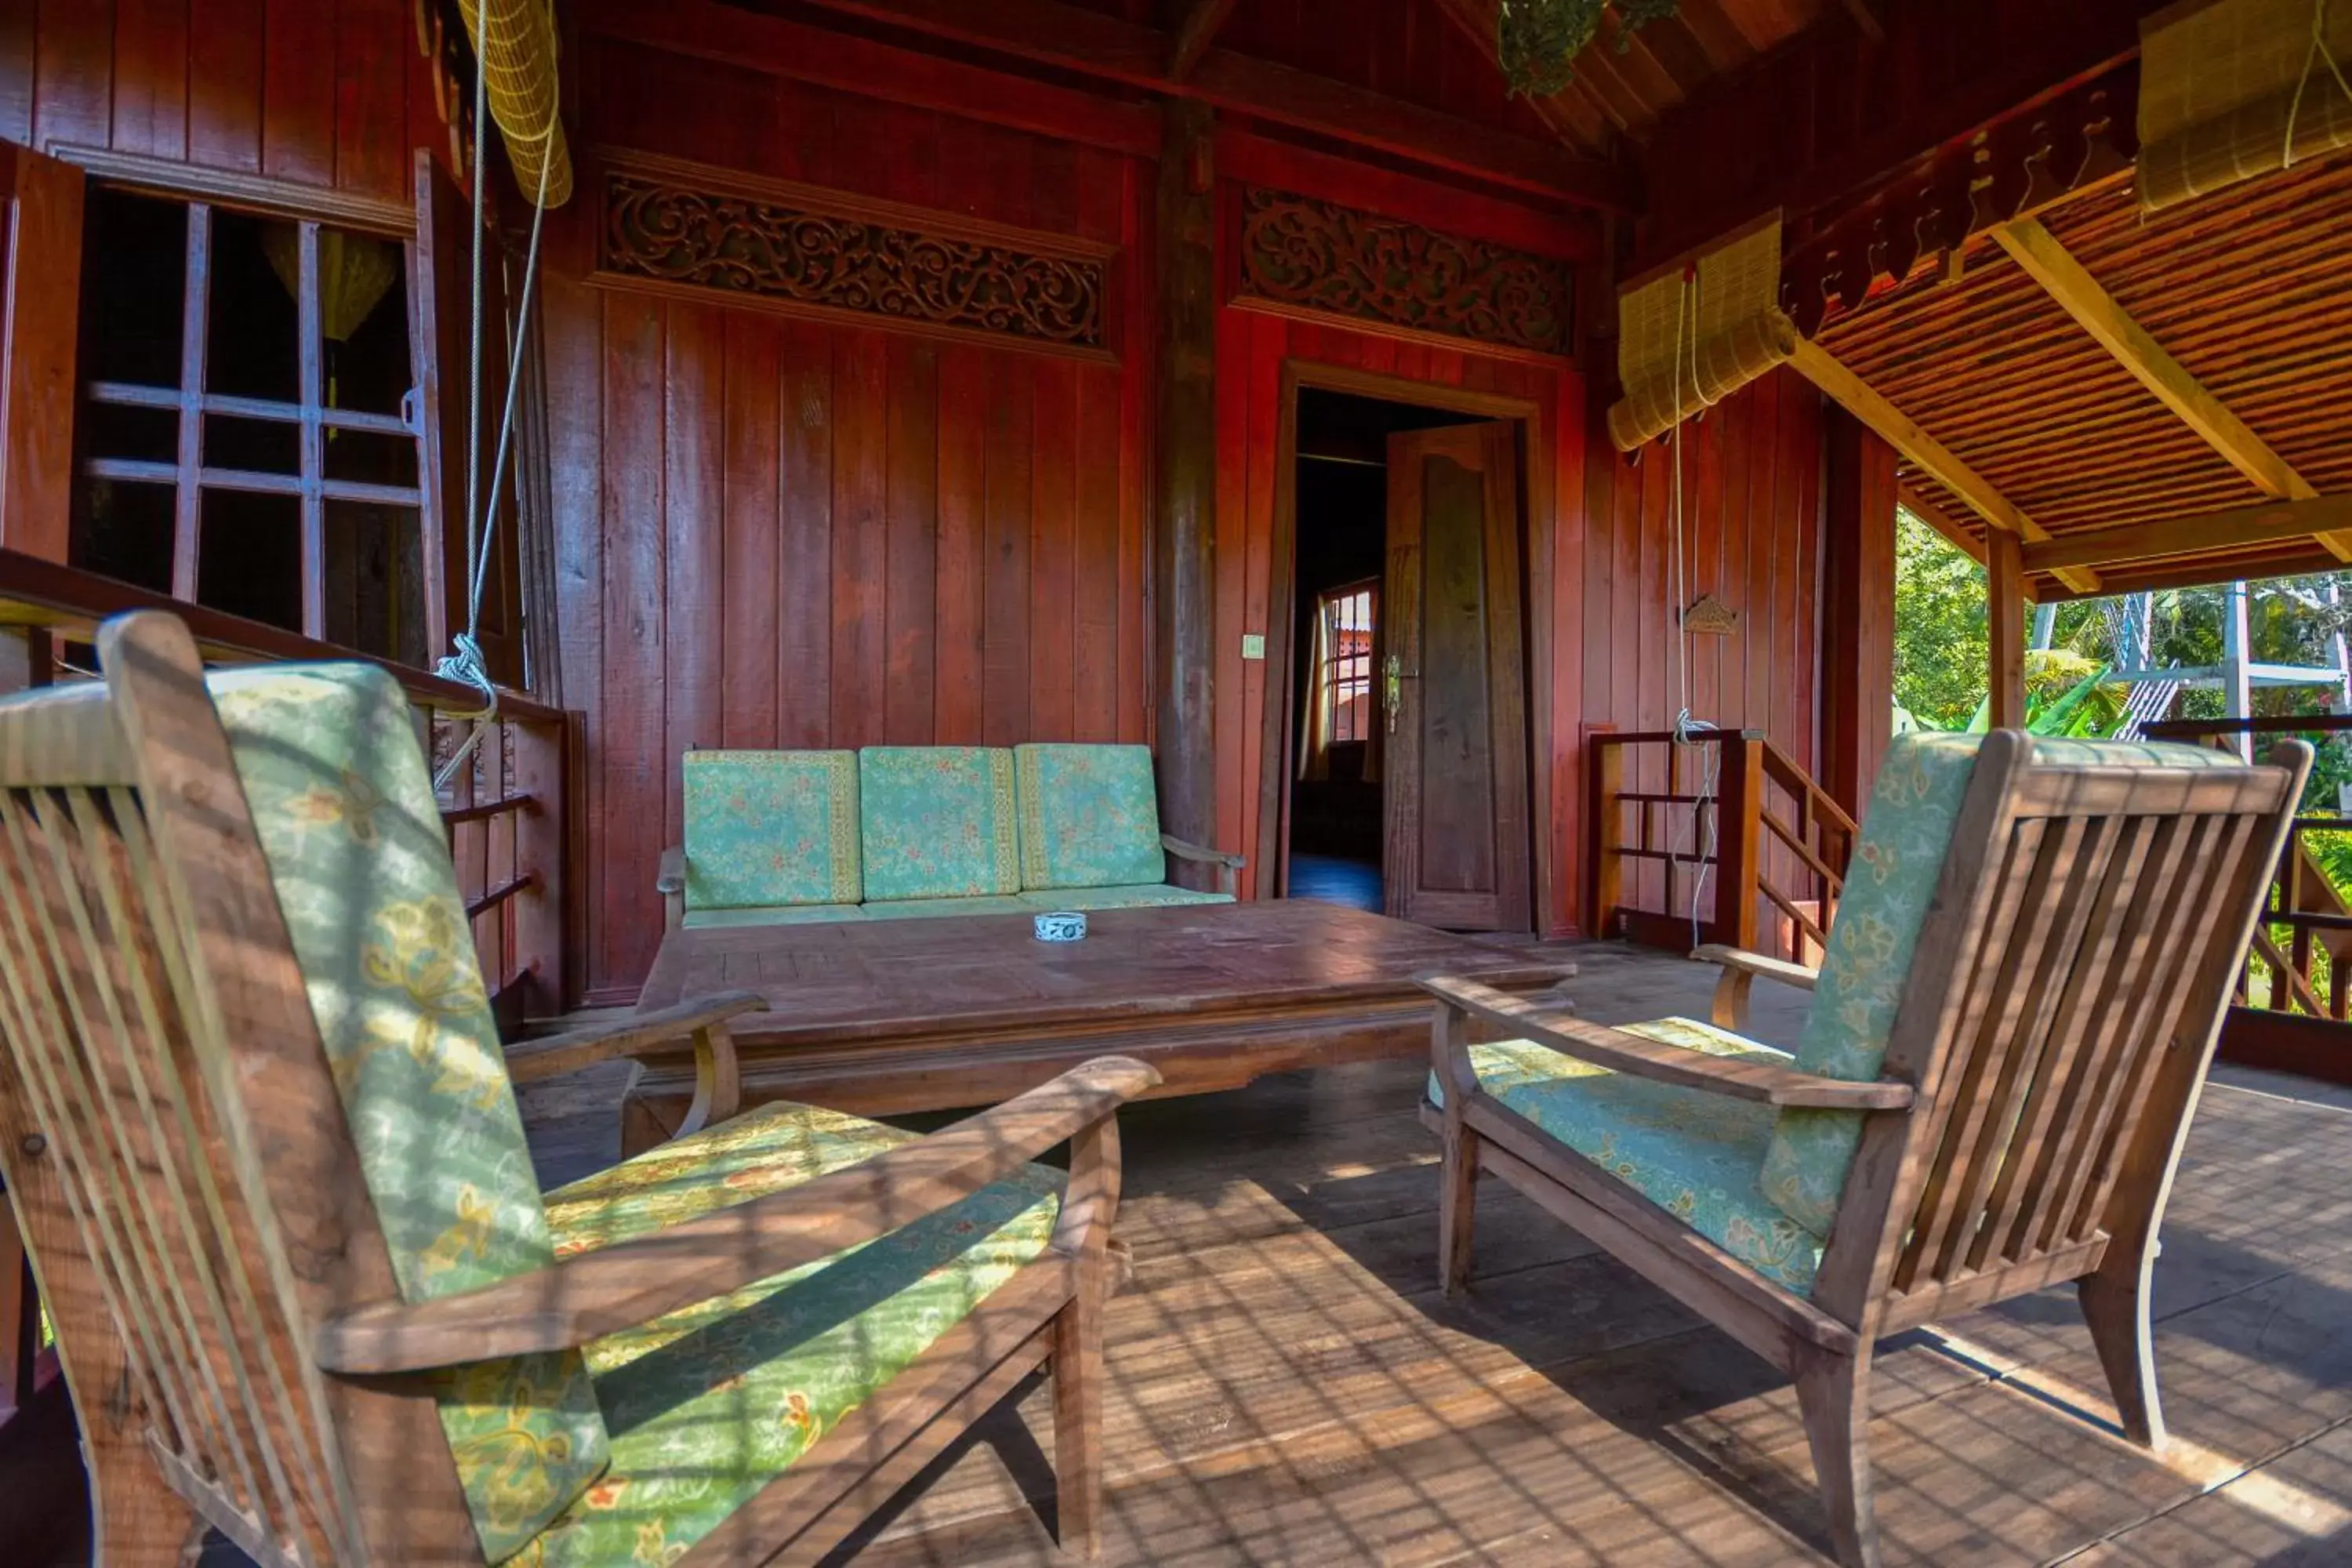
(1833, 1397)
(2115, 1304)
(1458, 1203)
(1077, 1424)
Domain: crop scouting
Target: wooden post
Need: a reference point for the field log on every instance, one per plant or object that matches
(1739, 839)
(540, 830)
(41, 289)
(2005, 623)
(1857, 607)
(1184, 552)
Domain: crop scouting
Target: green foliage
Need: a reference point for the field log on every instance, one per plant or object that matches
(1940, 627)
(1536, 40)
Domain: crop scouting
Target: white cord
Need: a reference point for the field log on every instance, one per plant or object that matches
(2311, 57)
(1688, 730)
(466, 663)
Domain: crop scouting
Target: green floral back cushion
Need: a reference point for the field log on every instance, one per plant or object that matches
(1888, 888)
(939, 822)
(329, 758)
(1088, 816)
(767, 830)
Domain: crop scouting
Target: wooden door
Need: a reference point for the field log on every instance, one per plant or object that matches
(41, 316)
(1452, 682)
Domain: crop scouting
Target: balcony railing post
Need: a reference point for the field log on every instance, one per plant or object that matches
(1739, 838)
(1604, 779)
(540, 830)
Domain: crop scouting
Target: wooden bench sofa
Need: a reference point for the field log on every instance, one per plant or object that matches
(889, 832)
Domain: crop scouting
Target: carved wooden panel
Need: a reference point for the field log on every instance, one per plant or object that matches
(1299, 253)
(803, 250)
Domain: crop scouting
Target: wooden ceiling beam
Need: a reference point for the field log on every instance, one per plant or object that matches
(1069, 37)
(1204, 20)
(2033, 248)
(1824, 369)
(2236, 528)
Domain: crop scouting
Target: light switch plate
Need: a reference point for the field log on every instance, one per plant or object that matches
(1252, 645)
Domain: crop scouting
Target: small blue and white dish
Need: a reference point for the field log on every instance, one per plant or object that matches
(1062, 925)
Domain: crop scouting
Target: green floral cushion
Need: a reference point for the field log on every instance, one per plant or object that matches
(708, 1404)
(1692, 1153)
(329, 758)
(939, 822)
(766, 829)
(1892, 876)
(1146, 895)
(775, 915)
(1089, 817)
(927, 909)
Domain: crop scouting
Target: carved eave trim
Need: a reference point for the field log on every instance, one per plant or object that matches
(1318, 260)
(915, 267)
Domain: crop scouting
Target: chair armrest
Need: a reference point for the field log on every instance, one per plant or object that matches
(1228, 866)
(1741, 970)
(718, 1080)
(587, 1296)
(1639, 1058)
(670, 883)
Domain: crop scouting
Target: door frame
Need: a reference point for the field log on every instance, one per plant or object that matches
(1276, 751)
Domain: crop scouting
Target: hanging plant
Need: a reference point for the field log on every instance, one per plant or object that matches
(1536, 39)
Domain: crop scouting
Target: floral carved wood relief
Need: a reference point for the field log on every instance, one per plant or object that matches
(1299, 253)
(808, 251)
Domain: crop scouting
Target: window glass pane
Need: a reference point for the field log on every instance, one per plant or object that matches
(118, 430)
(134, 258)
(249, 556)
(123, 529)
(376, 580)
(266, 446)
(251, 336)
(365, 282)
(374, 459)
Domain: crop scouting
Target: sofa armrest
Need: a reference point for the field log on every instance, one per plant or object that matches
(1638, 1057)
(717, 1080)
(1228, 866)
(670, 883)
(1741, 970)
(592, 1294)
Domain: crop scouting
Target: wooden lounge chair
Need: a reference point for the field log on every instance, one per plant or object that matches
(261, 1136)
(2008, 1036)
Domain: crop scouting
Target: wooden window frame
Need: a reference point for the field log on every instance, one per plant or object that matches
(1328, 682)
(189, 476)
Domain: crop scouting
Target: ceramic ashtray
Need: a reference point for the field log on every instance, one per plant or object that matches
(1062, 925)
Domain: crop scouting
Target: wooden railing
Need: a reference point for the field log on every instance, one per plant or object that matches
(510, 810)
(1719, 838)
(2294, 991)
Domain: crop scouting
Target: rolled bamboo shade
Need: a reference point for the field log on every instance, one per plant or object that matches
(2221, 80)
(517, 42)
(1729, 330)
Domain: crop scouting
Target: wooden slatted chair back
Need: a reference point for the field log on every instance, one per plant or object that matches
(173, 1140)
(2058, 1022)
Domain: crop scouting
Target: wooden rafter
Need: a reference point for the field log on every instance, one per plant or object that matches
(1070, 37)
(1934, 516)
(2268, 523)
(1204, 20)
(2047, 262)
(1823, 369)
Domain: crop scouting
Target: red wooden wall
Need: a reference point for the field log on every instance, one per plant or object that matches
(332, 94)
(780, 533)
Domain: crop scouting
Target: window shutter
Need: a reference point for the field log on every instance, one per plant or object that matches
(41, 209)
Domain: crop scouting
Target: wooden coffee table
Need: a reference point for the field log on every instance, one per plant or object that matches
(880, 1016)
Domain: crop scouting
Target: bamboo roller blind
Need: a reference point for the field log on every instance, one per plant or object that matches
(2224, 83)
(517, 39)
(1709, 330)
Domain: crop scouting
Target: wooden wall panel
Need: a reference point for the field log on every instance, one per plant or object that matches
(810, 533)
(325, 92)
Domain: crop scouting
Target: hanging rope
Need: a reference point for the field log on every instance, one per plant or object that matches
(1688, 731)
(464, 663)
(2311, 58)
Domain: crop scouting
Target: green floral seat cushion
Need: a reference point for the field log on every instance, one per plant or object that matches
(337, 785)
(1892, 879)
(708, 1404)
(1089, 816)
(768, 828)
(1146, 895)
(775, 915)
(927, 909)
(939, 822)
(1692, 1153)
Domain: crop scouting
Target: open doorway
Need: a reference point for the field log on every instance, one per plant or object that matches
(1406, 770)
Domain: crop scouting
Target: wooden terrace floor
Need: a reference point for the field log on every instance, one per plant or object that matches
(1287, 1388)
